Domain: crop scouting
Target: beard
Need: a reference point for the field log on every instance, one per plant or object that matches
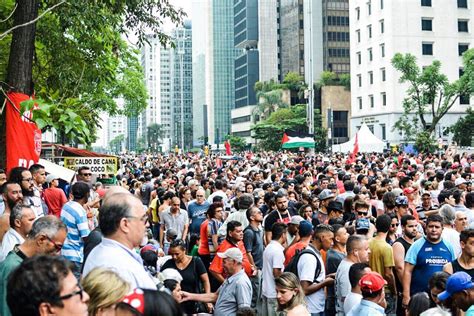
(28, 192)
(11, 203)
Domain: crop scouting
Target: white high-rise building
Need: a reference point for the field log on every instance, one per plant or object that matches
(428, 29)
(156, 66)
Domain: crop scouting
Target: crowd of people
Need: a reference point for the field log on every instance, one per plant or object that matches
(265, 234)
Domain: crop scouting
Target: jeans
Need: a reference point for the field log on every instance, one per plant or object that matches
(391, 309)
(256, 290)
(269, 306)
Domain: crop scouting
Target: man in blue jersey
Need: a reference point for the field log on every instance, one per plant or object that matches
(426, 256)
(74, 216)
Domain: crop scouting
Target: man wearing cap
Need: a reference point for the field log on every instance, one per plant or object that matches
(461, 289)
(234, 293)
(426, 256)
(373, 297)
(461, 183)
(335, 210)
(54, 197)
(325, 197)
(292, 235)
(305, 231)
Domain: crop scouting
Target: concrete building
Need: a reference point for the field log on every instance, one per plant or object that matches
(268, 49)
(335, 109)
(430, 30)
(117, 125)
(291, 37)
(156, 63)
(181, 74)
(217, 36)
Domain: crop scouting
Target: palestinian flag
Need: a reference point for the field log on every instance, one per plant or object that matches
(296, 140)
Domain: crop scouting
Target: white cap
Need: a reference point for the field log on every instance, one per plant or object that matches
(51, 177)
(232, 253)
(171, 274)
(459, 181)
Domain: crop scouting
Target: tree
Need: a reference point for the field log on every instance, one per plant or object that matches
(77, 51)
(155, 134)
(463, 129)
(329, 78)
(116, 144)
(268, 102)
(429, 96)
(237, 144)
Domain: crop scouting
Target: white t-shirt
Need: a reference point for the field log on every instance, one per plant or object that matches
(352, 299)
(306, 268)
(451, 236)
(343, 286)
(273, 258)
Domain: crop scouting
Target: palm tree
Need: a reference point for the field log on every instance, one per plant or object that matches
(269, 102)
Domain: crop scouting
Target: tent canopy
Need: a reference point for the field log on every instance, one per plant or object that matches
(368, 142)
(59, 171)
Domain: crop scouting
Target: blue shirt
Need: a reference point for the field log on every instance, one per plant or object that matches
(197, 215)
(367, 308)
(75, 218)
(427, 258)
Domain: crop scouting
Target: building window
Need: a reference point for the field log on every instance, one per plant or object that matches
(359, 80)
(382, 27)
(359, 58)
(369, 7)
(358, 36)
(359, 99)
(358, 13)
(382, 70)
(462, 4)
(371, 77)
(369, 30)
(426, 3)
(462, 26)
(383, 96)
(426, 24)
(371, 100)
(384, 132)
(371, 128)
(462, 48)
(381, 4)
(382, 50)
(370, 54)
(427, 48)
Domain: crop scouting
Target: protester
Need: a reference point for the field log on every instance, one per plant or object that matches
(465, 262)
(373, 297)
(356, 271)
(46, 237)
(21, 222)
(45, 285)
(460, 288)
(54, 197)
(290, 296)
(174, 218)
(197, 211)
(105, 288)
(23, 177)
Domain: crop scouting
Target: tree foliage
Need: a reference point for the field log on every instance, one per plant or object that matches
(115, 144)
(463, 130)
(429, 96)
(237, 144)
(329, 78)
(82, 60)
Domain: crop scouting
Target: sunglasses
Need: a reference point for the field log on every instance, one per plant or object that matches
(362, 213)
(395, 225)
(86, 174)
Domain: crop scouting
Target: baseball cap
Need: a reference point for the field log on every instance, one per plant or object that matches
(457, 282)
(408, 190)
(305, 228)
(171, 233)
(51, 177)
(335, 206)
(325, 194)
(460, 181)
(372, 282)
(232, 253)
(296, 220)
(362, 224)
(148, 247)
(171, 274)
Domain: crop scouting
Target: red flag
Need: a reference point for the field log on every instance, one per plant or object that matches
(227, 148)
(356, 149)
(285, 138)
(23, 137)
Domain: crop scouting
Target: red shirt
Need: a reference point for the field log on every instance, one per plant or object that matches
(216, 264)
(203, 244)
(290, 252)
(54, 199)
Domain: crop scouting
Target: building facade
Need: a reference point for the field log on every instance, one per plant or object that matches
(429, 30)
(182, 87)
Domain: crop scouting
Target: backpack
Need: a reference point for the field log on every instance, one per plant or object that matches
(293, 264)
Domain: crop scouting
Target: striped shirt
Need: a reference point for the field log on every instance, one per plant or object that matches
(75, 218)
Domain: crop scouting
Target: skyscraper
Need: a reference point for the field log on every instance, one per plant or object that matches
(182, 86)
(268, 49)
(219, 56)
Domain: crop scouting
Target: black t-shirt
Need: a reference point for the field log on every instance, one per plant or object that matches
(191, 279)
(275, 217)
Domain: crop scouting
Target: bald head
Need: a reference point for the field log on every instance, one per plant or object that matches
(115, 207)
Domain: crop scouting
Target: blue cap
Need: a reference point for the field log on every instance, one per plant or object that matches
(362, 223)
(457, 282)
(305, 228)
